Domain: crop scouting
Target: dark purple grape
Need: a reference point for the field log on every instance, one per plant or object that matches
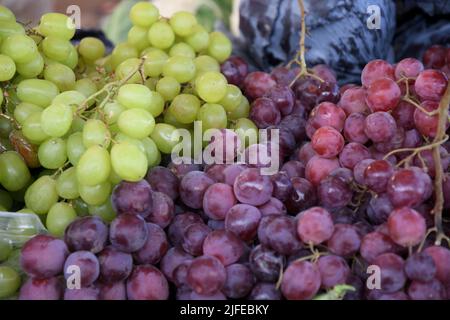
(133, 198)
(86, 293)
(374, 244)
(214, 297)
(239, 281)
(420, 266)
(243, 221)
(380, 295)
(409, 187)
(265, 291)
(344, 174)
(147, 283)
(180, 273)
(163, 210)
(379, 209)
(115, 266)
(251, 187)
(187, 165)
(393, 277)
(377, 175)
(41, 289)
(358, 170)
(216, 225)
(179, 224)
(113, 291)
(333, 270)
(218, 199)
(154, 248)
(303, 196)
(87, 233)
(345, 240)
(282, 235)
(283, 97)
(273, 206)
(334, 193)
(223, 245)
(216, 172)
(206, 275)
(256, 84)
(88, 265)
(301, 281)
(432, 290)
(294, 168)
(193, 187)
(353, 153)
(264, 113)
(163, 180)
(43, 256)
(193, 238)
(283, 75)
(358, 285)
(235, 69)
(266, 264)
(282, 186)
(296, 125)
(128, 233)
(173, 258)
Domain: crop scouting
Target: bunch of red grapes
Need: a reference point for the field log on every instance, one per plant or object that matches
(343, 200)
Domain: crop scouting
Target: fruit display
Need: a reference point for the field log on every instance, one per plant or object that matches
(357, 209)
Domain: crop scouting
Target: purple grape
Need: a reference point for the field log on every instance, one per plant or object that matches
(296, 125)
(231, 172)
(41, 289)
(180, 273)
(345, 240)
(133, 198)
(179, 224)
(266, 264)
(163, 210)
(235, 69)
(264, 113)
(113, 291)
(147, 283)
(215, 297)
(223, 245)
(239, 281)
(154, 248)
(282, 234)
(87, 233)
(393, 277)
(163, 180)
(333, 270)
(250, 187)
(172, 259)
(86, 293)
(206, 275)
(88, 265)
(193, 238)
(187, 165)
(301, 281)
(283, 97)
(379, 209)
(243, 221)
(273, 206)
(421, 267)
(282, 186)
(115, 266)
(218, 199)
(334, 193)
(193, 187)
(294, 168)
(265, 291)
(43, 256)
(128, 233)
(303, 196)
(432, 290)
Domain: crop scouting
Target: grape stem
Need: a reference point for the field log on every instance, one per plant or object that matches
(300, 56)
(438, 180)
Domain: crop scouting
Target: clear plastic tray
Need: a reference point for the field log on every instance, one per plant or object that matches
(18, 228)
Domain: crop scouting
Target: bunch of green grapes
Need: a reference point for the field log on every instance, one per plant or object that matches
(89, 120)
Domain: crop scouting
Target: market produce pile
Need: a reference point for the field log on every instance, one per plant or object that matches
(86, 139)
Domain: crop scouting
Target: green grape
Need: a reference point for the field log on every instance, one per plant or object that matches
(72, 59)
(212, 116)
(94, 166)
(61, 214)
(95, 132)
(56, 48)
(144, 14)
(67, 184)
(7, 68)
(81, 207)
(151, 151)
(61, 75)
(183, 23)
(129, 69)
(165, 137)
(219, 46)
(114, 178)
(32, 129)
(182, 49)
(181, 68)
(168, 88)
(56, 120)
(105, 211)
(135, 96)
(70, 98)
(95, 195)
(151, 84)
(52, 153)
(138, 37)
(14, 174)
(8, 28)
(24, 110)
(169, 118)
(6, 14)
(246, 129)
(77, 125)
(87, 88)
(5, 200)
(5, 249)
(57, 25)
(232, 98)
(38, 92)
(5, 127)
(112, 111)
(161, 35)
(136, 123)
(242, 111)
(129, 162)
(206, 64)
(122, 137)
(199, 39)
(41, 195)
(19, 196)
(185, 108)
(91, 49)
(154, 62)
(33, 68)
(1, 96)
(211, 86)
(9, 282)
(122, 52)
(157, 104)
(20, 48)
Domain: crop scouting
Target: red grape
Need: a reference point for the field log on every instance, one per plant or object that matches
(113, 291)
(353, 100)
(315, 225)
(302, 196)
(431, 290)
(409, 187)
(163, 210)
(352, 154)
(327, 142)
(256, 84)
(266, 264)
(265, 291)
(434, 57)
(406, 227)
(264, 113)
(354, 128)
(380, 126)
(383, 95)
(441, 257)
(374, 244)
(409, 68)
(172, 259)
(283, 97)
(251, 187)
(333, 192)
(345, 240)
(333, 270)
(377, 175)
(318, 168)
(301, 281)
(393, 277)
(426, 124)
(235, 69)
(376, 69)
(430, 85)
(420, 267)
(243, 221)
